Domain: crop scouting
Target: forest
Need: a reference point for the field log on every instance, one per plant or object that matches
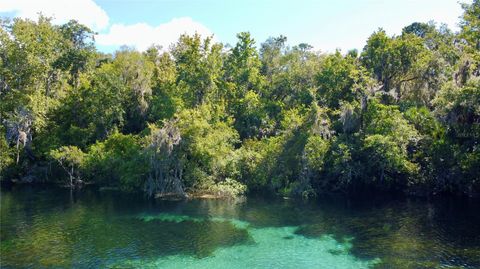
(206, 118)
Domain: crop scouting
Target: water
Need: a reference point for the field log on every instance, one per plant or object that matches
(54, 228)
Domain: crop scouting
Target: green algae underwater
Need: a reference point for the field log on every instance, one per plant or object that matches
(45, 227)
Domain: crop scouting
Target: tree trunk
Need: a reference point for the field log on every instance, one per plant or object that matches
(18, 151)
(71, 177)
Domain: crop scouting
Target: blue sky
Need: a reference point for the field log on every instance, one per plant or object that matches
(327, 25)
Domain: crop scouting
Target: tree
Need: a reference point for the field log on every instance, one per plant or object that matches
(78, 50)
(166, 98)
(470, 23)
(388, 140)
(70, 158)
(243, 83)
(271, 53)
(388, 159)
(419, 29)
(395, 61)
(340, 79)
(242, 68)
(198, 65)
(5, 155)
(118, 161)
(95, 110)
(135, 72)
(18, 130)
(402, 114)
(166, 175)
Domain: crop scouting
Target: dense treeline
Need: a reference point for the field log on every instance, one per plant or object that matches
(401, 115)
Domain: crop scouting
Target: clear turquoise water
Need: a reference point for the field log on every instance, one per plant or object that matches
(53, 228)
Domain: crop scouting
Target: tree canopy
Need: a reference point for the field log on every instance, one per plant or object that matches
(401, 115)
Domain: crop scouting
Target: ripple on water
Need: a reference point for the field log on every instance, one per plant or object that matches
(52, 229)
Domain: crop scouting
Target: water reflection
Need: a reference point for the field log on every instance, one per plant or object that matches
(45, 227)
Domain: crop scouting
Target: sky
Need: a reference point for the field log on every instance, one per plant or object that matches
(327, 25)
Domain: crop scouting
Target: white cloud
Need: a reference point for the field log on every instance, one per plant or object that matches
(85, 11)
(139, 35)
(142, 35)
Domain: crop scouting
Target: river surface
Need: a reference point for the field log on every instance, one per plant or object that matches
(45, 227)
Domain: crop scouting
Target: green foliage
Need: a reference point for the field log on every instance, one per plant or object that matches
(199, 67)
(71, 159)
(401, 64)
(79, 48)
(419, 29)
(315, 151)
(165, 101)
(388, 120)
(258, 162)
(344, 168)
(229, 188)
(242, 67)
(340, 79)
(243, 85)
(118, 161)
(5, 155)
(207, 145)
(387, 159)
(460, 105)
(70, 155)
(251, 116)
(403, 114)
(424, 121)
(290, 73)
(388, 139)
(97, 109)
(135, 72)
(470, 23)
(458, 108)
(274, 163)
